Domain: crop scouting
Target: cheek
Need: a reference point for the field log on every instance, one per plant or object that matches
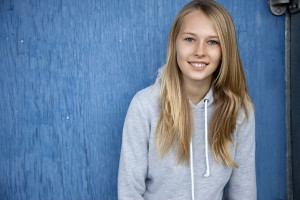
(217, 55)
(178, 53)
(220, 55)
(182, 52)
(180, 58)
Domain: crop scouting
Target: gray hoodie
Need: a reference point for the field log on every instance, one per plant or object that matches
(143, 175)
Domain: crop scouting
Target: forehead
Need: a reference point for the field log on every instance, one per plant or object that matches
(198, 22)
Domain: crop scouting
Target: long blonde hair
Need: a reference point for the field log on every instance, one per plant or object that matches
(175, 125)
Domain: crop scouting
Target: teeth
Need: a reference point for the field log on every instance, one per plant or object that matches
(198, 65)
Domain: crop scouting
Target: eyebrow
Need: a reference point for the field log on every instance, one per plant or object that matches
(194, 34)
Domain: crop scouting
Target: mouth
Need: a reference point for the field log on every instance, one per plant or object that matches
(198, 65)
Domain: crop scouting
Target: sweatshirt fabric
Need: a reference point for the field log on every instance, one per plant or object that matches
(144, 175)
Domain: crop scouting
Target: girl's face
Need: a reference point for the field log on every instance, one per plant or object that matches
(198, 49)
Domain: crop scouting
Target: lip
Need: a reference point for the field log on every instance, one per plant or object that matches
(198, 65)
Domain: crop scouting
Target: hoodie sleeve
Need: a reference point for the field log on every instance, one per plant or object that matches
(134, 153)
(242, 183)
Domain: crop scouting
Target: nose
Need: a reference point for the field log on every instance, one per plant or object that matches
(200, 49)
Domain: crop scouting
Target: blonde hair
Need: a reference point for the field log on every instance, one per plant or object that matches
(175, 125)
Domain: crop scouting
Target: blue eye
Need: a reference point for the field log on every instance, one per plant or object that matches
(189, 39)
(213, 42)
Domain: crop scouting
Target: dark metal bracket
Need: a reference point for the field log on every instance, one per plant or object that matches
(279, 7)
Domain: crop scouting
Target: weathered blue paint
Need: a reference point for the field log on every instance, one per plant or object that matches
(69, 69)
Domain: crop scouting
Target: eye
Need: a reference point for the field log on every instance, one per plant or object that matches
(189, 39)
(213, 42)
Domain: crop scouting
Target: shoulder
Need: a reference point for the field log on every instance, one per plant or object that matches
(242, 115)
(146, 102)
(148, 97)
(245, 126)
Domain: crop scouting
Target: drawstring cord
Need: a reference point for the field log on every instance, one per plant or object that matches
(206, 155)
(192, 170)
(206, 142)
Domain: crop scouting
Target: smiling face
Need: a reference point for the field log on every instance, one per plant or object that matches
(198, 49)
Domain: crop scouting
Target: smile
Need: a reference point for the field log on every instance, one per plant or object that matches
(198, 65)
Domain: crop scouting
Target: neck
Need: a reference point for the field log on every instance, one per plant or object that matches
(196, 90)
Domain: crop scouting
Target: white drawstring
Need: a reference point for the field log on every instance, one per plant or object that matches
(206, 155)
(192, 169)
(206, 142)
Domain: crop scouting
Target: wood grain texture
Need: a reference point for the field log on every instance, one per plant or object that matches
(69, 70)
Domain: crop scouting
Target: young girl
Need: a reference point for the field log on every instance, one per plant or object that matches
(193, 132)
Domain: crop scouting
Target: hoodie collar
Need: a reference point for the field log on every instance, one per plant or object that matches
(201, 104)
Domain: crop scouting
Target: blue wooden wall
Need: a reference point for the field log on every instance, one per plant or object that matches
(69, 69)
